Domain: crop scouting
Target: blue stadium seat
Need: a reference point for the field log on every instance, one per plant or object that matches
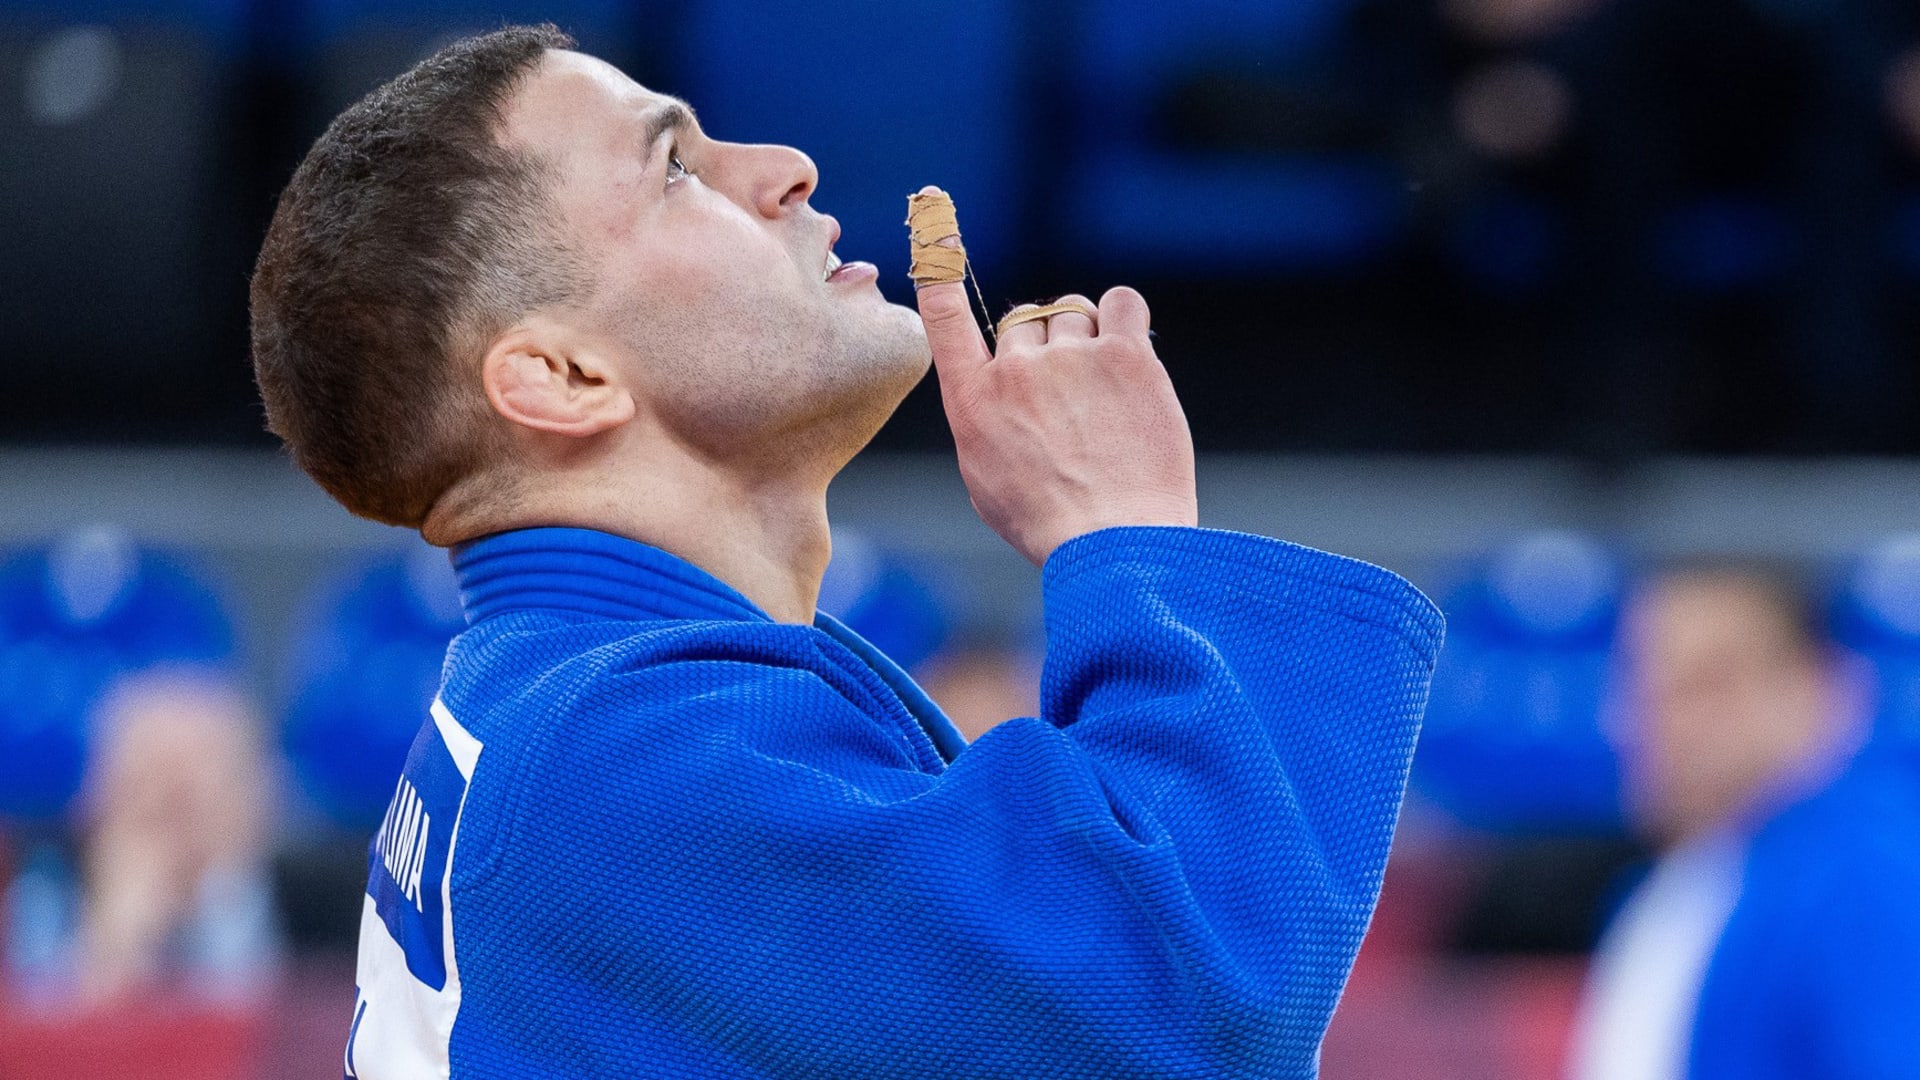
(75, 616)
(1125, 53)
(1131, 197)
(1903, 234)
(885, 598)
(367, 664)
(112, 123)
(1513, 740)
(223, 23)
(1285, 212)
(334, 18)
(1507, 242)
(885, 99)
(1726, 243)
(359, 44)
(1876, 612)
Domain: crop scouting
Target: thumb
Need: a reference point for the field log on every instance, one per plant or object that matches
(939, 265)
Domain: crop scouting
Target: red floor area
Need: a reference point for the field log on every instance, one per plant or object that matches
(157, 1041)
(1401, 1020)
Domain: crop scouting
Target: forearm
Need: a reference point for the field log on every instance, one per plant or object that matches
(1255, 705)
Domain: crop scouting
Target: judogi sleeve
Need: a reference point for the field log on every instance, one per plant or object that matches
(749, 869)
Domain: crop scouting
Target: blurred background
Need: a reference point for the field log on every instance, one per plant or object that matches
(1600, 319)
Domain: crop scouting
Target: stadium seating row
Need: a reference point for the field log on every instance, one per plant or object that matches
(1515, 738)
(363, 662)
(1518, 732)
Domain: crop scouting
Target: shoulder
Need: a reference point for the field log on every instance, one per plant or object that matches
(1822, 952)
(1851, 834)
(1832, 877)
(613, 717)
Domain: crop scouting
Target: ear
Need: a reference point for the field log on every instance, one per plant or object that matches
(540, 376)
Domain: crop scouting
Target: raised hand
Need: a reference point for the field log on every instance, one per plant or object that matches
(1071, 426)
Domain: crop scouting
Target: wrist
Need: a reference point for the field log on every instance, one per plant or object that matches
(1045, 544)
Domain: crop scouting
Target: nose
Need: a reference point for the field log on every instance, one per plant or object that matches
(784, 178)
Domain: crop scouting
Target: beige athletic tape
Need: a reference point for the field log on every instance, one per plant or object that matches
(1044, 311)
(931, 219)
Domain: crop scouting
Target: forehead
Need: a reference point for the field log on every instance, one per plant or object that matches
(1692, 616)
(572, 99)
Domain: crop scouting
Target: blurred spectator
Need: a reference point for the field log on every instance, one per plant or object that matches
(1509, 21)
(75, 616)
(1512, 105)
(1903, 97)
(980, 685)
(1733, 703)
(1513, 109)
(116, 685)
(177, 824)
(1777, 934)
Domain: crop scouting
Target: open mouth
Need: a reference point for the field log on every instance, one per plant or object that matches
(839, 271)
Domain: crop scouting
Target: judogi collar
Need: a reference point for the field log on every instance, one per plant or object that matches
(603, 576)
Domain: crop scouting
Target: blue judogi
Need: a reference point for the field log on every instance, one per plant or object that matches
(649, 832)
(1817, 973)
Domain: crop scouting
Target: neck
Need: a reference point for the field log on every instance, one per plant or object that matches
(766, 536)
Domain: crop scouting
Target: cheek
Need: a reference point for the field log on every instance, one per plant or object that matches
(712, 242)
(723, 288)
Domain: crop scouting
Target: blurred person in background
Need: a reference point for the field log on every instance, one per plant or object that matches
(980, 684)
(131, 765)
(1778, 934)
(176, 819)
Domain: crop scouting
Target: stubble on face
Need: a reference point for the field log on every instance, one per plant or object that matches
(710, 288)
(771, 374)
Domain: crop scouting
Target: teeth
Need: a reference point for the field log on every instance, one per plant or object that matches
(833, 263)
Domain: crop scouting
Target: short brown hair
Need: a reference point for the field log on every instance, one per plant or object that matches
(406, 239)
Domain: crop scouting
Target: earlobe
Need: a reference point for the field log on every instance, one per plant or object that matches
(540, 384)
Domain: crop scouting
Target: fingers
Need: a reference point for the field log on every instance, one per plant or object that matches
(1064, 319)
(954, 337)
(1124, 312)
(1071, 324)
(1032, 332)
(958, 348)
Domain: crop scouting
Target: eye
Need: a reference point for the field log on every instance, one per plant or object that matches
(676, 169)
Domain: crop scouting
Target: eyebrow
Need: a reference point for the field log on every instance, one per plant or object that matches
(672, 116)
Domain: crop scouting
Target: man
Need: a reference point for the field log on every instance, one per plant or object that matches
(667, 821)
(1777, 935)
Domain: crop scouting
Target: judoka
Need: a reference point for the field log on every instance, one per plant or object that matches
(1777, 936)
(664, 820)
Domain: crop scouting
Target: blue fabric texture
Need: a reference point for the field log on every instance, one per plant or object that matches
(700, 843)
(1817, 974)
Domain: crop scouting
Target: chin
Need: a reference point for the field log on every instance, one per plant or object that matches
(874, 375)
(889, 337)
